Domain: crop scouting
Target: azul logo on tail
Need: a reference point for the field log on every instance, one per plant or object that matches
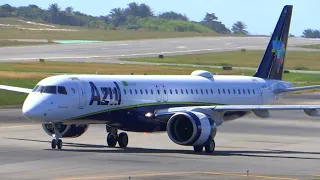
(278, 48)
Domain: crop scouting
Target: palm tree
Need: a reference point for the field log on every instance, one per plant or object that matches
(54, 10)
(239, 28)
(117, 16)
(69, 10)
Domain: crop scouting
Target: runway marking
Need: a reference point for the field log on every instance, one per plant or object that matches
(13, 127)
(180, 173)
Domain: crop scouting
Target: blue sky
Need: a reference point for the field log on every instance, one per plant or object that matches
(259, 15)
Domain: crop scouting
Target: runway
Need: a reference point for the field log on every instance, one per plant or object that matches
(285, 147)
(113, 50)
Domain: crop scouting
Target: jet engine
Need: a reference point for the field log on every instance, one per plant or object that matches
(190, 128)
(67, 130)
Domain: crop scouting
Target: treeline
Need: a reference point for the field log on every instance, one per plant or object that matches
(134, 16)
(310, 33)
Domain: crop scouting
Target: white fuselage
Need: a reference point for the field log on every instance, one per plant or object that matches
(91, 95)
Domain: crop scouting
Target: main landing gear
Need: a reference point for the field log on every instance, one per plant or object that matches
(113, 138)
(56, 141)
(209, 146)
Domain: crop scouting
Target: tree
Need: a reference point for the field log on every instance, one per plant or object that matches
(310, 33)
(174, 16)
(239, 28)
(117, 16)
(210, 21)
(69, 10)
(145, 11)
(54, 9)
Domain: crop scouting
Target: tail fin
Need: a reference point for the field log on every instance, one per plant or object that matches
(271, 65)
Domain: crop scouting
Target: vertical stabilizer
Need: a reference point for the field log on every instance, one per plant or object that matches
(272, 62)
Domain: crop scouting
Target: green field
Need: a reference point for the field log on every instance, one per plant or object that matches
(27, 74)
(313, 46)
(298, 60)
(5, 43)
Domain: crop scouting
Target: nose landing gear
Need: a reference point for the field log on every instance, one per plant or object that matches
(113, 137)
(56, 141)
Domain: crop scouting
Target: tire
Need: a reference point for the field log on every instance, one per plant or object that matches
(210, 146)
(59, 144)
(197, 149)
(53, 144)
(123, 140)
(111, 140)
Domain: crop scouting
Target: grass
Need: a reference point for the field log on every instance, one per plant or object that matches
(294, 59)
(312, 46)
(95, 34)
(28, 74)
(5, 43)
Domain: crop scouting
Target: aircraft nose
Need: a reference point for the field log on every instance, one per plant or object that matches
(31, 112)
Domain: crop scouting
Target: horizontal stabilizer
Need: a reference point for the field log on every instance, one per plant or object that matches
(297, 89)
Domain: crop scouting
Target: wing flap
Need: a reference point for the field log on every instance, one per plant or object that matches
(16, 89)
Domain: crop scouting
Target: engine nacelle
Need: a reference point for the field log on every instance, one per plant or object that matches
(67, 130)
(190, 128)
(312, 112)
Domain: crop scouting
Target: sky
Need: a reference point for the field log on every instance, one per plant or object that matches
(260, 16)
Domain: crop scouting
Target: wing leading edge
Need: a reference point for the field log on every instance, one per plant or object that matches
(16, 89)
(259, 110)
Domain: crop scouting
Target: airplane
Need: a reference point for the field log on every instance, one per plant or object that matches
(189, 108)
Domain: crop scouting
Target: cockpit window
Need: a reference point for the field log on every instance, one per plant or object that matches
(35, 88)
(62, 90)
(50, 89)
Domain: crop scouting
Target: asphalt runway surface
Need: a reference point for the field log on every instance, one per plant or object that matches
(284, 147)
(110, 52)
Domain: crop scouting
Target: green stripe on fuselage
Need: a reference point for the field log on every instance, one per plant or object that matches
(149, 104)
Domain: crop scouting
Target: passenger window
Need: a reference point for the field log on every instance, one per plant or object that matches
(136, 91)
(196, 91)
(239, 92)
(62, 90)
(158, 91)
(191, 91)
(224, 91)
(165, 91)
(201, 91)
(130, 91)
(141, 92)
(181, 91)
(170, 91)
(244, 92)
(248, 91)
(146, 91)
(176, 91)
(234, 91)
(186, 91)
(206, 91)
(151, 91)
(50, 89)
(218, 91)
(229, 91)
(253, 91)
(125, 91)
(211, 91)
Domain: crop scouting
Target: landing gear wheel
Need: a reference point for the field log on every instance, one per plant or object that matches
(111, 140)
(198, 149)
(210, 146)
(53, 144)
(123, 139)
(59, 144)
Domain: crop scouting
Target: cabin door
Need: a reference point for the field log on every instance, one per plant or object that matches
(164, 93)
(81, 92)
(158, 93)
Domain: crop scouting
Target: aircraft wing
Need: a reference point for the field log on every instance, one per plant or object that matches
(261, 111)
(297, 89)
(16, 89)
